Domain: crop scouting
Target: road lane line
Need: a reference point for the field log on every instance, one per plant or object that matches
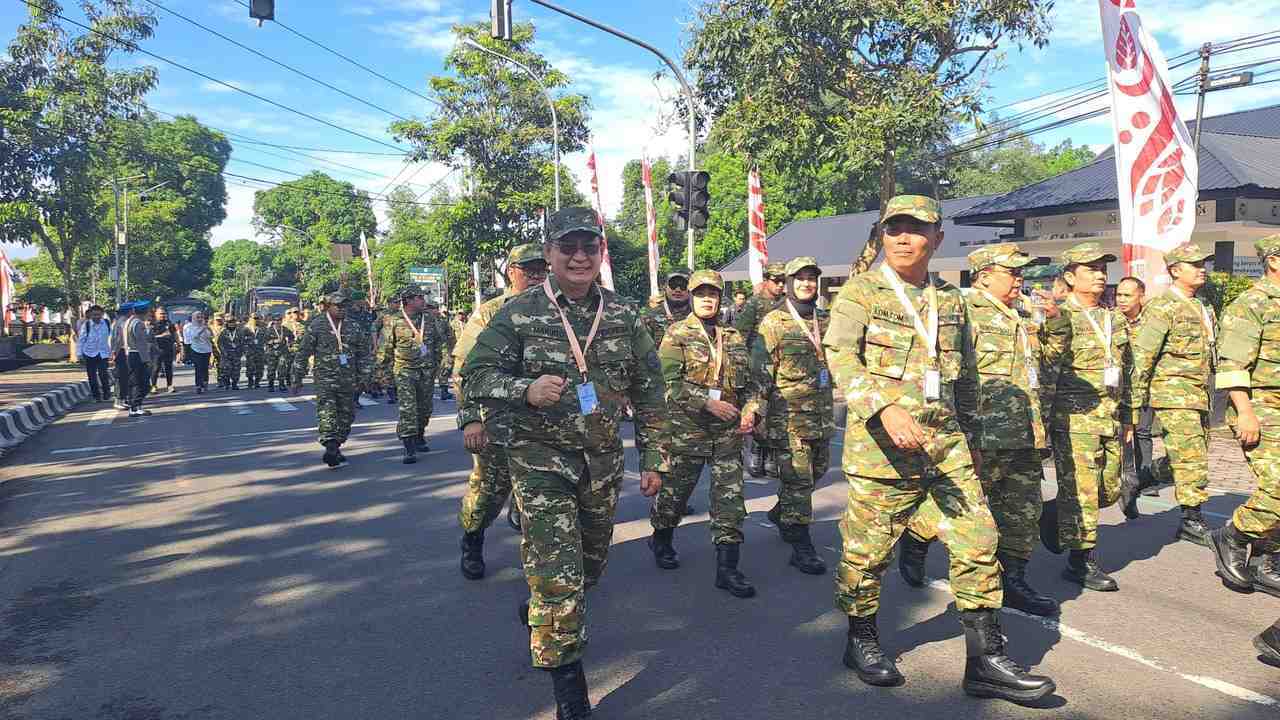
(103, 417)
(241, 408)
(281, 405)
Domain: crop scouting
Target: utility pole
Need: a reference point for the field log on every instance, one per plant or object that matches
(1202, 87)
(120, 186)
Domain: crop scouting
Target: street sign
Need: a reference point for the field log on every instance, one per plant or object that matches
(431, 280)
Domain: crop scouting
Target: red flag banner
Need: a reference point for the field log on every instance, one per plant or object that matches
(757, 240)
(606, 265)
(651, 218)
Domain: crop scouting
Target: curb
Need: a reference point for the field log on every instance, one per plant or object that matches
(21, 422)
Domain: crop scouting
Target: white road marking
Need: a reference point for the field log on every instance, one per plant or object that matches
(103, 417)
(281, 405)
(753, 481)
(241, 408)
(366, 402)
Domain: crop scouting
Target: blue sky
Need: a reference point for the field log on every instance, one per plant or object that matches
(407, 40)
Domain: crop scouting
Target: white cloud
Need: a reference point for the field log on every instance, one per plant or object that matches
(267, 89)
(433, 34)
(1178, 24)
(239, 221)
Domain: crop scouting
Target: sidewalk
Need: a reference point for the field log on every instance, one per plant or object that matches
(27, 383)
(33, 396)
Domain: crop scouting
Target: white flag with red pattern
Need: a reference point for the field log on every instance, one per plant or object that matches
(1156, 169)
(651, 220)
(606, 265)
(757, 240)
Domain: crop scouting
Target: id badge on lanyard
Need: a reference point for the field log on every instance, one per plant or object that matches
(342, 359)
(588, 401)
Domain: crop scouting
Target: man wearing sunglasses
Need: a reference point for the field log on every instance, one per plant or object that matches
(566, 358)
(673, 308)
(1173, 363)
(770, 295)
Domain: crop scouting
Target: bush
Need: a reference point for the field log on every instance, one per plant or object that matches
(1223, 288)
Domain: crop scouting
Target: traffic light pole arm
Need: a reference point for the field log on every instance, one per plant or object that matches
(688, 91)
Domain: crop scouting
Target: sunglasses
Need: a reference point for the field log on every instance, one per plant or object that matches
(678, 285)
(535, 269)
(1013, 272)
(571, 247)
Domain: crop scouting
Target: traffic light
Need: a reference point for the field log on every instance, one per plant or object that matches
(689, 193)
(262, 10)
(500, 19)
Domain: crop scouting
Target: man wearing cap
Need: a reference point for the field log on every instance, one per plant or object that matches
(410, 343)
(231, 344)
(673, 308)
(795, 402)
(119, 358)
(1249, 370)
(767, 298)
(1010, 431)
(293, 321)
(138, 352)
(486, 426)
(444, 361)
(898, 346)
(343, 362)
(1173, 366)
(1085, 396)
(567, 358)
(255, 361)
(708, 383)
(276, 341)
(380, 380)
(1130, 299)
(216, 326)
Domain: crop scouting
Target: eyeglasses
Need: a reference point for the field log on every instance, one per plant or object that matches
(678, 285)
(533, 269)
(776, 278)
(571, 247)
(1012, 272)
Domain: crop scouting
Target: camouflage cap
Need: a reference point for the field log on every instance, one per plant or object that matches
(775, 269)
(339, 297)
(795, 265)
(570, 220)
(1189, 252)
(706, 277)
(920, 207)
(1085, 252)
(1267, 246)
(675, 274)
(410, 291)
(521, 254)
(1007, 255)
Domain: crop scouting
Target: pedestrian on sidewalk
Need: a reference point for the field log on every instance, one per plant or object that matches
(137, 347)
(164, 335)
(119, 357)
(197, 336)
(94, 338)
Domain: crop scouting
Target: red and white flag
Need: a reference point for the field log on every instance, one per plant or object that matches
(1156, 169)
(606, 265)
(651, 217)
(757, 240)
(8, 293)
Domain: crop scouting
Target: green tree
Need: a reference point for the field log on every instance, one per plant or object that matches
(238, 265)
(62, 95)
(1014, 164)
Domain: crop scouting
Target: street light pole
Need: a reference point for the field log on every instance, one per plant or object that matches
(555, 122)
(688, 90)
(1202, 87)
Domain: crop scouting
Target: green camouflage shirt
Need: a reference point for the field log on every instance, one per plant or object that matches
(232, 343)
(1249, 349)
(278, 339)
(689, 369)
(656, 319)
(444, 333)
(402, 349)
(788, 370)
(320, 342)
(878, 360)
(298, 330)
(496, 415)
(1072, 389)
(526, 340)
(1173, 353)
(752, 314)
(1009, 415)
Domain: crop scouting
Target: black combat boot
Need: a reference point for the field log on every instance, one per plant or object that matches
(988, 672)
(1193, 528)
(803, 557)
(756, 466)
(331, 454)
(1018, 594)
(391, 396)
(1082, 567)
(271, 386)
(1231, 552)
(862, 654)
(421, 444)
(664, 553)
(1266, 576)
(341, 458)
(1268, 644)
(771, 464)
(911, 555)
(1129, 490)
(473, 555)
(570, 684)
(728, 577)
(410, 450)
(1049, 526)
(513, 513)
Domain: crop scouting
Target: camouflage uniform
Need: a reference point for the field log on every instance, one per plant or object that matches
(1173, 364)
(231, 344)
(747, 322)
(1009, 429)
(876, 356)
(277, 342)
(1083, 413)
(799, 419)
(567, 466)
(698, 438)
(215, 330)
(661, 316)
(444, 353)
(335, 383)
(255, 337)
(409, 349)
(298, 329)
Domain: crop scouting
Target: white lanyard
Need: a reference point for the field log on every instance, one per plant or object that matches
(814, 337)
(1204, 314)
(717, 354)
(579, 351)
(337, 331)
(930, 334)
(667, 308)
(1103, 337)
(421, 330)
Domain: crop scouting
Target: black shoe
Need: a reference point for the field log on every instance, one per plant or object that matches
(331, 454)
(1082, 568)
(422, 445)
(1193, 528)
(771, 466)
(803, 556)
(410, 451)
(523, 613)
(1129, 495)
(1049, 526)
(570, 685)
(775, 515)
(341, 458)
(473, 555)
(271, 387)
(1231, 552)
(728, 577)
(664, 553)
(513, 513)
(1018, 594)
(1268, 644)
(1266, 576)
(756, 465)
(862, 654)
(911, 556)
(988, 672)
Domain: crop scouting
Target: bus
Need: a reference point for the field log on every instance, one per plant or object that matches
(181, 309)
(271, 302)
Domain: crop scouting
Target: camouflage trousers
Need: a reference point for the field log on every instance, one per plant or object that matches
(278, 367)
(335, 410)
(228, 370)
(567, 499)
(487, 488)
(1259, 517)
(727, 507)
(413, 393)
(1088, 468)
(802, 462)
(1011, 480)
(254, 364)
(1186, 440)
(878, 512)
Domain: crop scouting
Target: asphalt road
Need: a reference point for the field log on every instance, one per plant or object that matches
(202, 563)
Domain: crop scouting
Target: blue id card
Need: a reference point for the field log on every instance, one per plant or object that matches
(824, 378)
(587, 398)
